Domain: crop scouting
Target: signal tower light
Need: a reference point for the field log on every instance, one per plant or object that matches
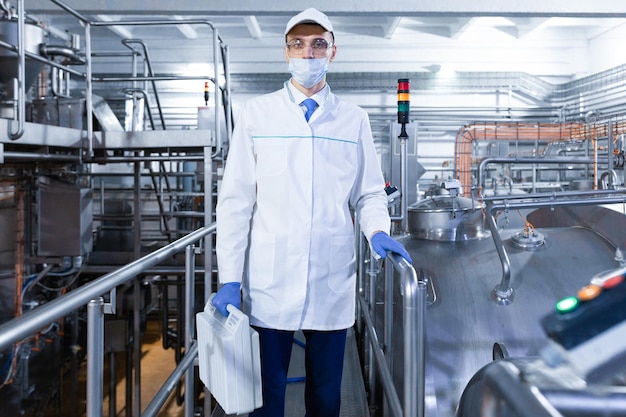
(404, 104)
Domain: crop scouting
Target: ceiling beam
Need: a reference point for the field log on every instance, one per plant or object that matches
(121, 31)
(526, 26)
(462, 25)
(187, 30)
(253, 27)
(391, 27)
(571, 8)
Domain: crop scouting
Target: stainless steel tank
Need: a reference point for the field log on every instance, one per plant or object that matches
(33, 38)
(463, 322)
(446, 218)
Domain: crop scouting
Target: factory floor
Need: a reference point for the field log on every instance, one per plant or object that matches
(158, 363)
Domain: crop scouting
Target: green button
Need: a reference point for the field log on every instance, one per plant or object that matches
(567, 305)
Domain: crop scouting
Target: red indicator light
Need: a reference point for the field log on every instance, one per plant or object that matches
(613, 282)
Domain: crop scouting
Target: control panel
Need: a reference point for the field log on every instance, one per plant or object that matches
(596, 308)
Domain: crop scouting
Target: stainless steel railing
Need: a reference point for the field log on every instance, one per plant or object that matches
(91, 294)
(414, 295)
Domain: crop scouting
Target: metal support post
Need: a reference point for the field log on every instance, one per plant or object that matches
(190, 281)
(95, 356)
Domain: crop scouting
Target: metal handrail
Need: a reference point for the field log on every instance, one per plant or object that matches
(34, 320)
(170, 383)
(414, 294)
(91, 294)
(217, 41)
(127, 43)
(20, 97)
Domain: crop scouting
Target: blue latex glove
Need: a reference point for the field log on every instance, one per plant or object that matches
(382, 242)
(228, 294)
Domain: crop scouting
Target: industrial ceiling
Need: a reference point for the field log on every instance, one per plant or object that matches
(562, 40)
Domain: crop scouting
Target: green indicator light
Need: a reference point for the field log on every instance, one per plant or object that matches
(404, 106)
(567, 304)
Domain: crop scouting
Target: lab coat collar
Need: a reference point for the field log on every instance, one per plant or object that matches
(298, 96)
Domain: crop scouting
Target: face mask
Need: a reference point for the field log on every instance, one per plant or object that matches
(308, 72)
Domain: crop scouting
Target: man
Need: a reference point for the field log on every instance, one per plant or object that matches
(285, 233)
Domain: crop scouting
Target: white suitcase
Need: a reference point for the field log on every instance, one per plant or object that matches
(228, 359)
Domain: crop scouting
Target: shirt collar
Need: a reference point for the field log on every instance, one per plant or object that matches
(298, 96)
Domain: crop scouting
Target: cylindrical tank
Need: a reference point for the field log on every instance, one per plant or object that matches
(446, 218)
(463, 322)
(33, 38)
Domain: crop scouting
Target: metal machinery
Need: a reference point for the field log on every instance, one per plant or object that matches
(532, 213)
(82, 195)
(529, 214)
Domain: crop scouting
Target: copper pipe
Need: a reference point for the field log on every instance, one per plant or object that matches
(545, 132)
(19, 250)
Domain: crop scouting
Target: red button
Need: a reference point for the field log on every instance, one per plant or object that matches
(613, 282)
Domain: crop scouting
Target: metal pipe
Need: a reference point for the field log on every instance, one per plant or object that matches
(126, 159)
(387, 381)
(56, 83)
(208, 251)
(144, 93)
(372, 273)
(503, 292)
(65, 51)
(30, 322)
(504, 387)
(553, 195)
(610, 144)
(70, 11)
(360, 272)
(594, 141)
(218, 135)
(21, 75)
(403, 184)
(414, 307)
(40, 157)
(613, 181)
(146, 54)
(136, 407)
(414, 345)
(39, 58)
(587, 403)
(89, 91)
(20, 196)
(547, 132)
(163, 394)
(388, 319)
(414, 311)
(227, 103)
(155, 78)
(112, 384)
(95, 356)
(136, 351)
(190, 281)
(529, 160)
(76, 361)
(208, 219)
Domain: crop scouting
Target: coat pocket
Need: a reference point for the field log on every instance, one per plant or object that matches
(262, 260)
(342, 263)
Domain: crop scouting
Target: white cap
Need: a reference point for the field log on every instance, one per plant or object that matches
(310, 15)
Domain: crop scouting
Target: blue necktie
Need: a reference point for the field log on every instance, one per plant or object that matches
(310, 105)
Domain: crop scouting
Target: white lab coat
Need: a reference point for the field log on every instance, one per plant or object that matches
(284, 225)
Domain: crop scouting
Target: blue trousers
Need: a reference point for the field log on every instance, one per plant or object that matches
(323, 361)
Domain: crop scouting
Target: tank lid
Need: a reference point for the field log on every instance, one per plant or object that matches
(444, 203)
